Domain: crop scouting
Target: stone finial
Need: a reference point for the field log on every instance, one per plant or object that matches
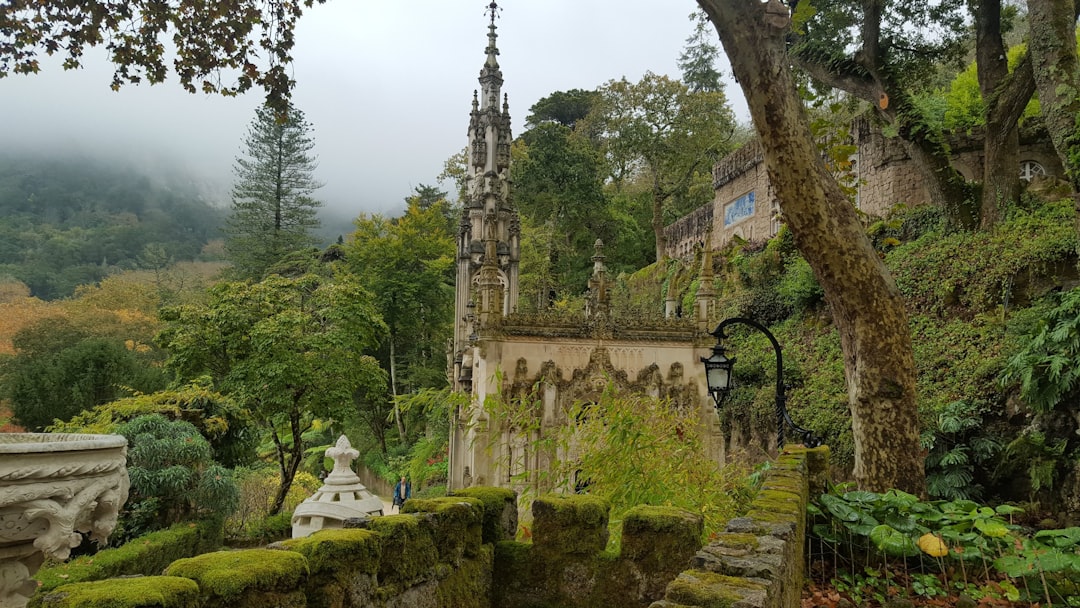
(343, 454)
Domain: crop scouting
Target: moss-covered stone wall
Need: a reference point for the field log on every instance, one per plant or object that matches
(566, 564)
(452, 552)
(758, 561)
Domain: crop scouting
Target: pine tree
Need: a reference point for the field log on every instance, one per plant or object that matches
(698, 59)
(273, 213)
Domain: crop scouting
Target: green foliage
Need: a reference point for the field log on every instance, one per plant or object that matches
(60, 370)
(563, 107)
(954, 448)
(978, 271)
(251, 524)
(965, 107)
(1048, 366)
(799, 287)
(622, 448)
(71, 221)
(943, 538)
(698, 59)
(273, 213)
(170, 463)
(252, 42)
(286, 349)
(217, 418)
(1033, 455)
(146, 555)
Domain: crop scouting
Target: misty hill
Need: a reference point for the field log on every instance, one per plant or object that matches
(71, 221)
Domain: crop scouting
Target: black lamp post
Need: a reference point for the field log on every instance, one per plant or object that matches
(718, 370)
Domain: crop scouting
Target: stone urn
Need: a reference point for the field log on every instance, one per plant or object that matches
(53, 486)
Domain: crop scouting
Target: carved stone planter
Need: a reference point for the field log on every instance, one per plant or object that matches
(53, 486)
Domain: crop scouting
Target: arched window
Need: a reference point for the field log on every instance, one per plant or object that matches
(1030, 169)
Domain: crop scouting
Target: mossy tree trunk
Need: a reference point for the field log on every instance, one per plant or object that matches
(1005, 96)
(1054, 64)
(867, 308)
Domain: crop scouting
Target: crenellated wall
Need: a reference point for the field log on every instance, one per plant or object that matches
(459, 552)
(758, 561)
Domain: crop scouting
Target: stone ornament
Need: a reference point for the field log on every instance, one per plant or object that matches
(52, 487)
(342, 497)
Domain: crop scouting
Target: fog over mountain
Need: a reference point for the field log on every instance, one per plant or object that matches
(387, 86)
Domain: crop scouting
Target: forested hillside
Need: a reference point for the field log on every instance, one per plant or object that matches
(71, 221)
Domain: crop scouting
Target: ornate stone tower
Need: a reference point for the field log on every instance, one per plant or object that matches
(488, 247)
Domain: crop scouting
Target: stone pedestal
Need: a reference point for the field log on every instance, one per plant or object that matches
(342, 497)
(53, 486)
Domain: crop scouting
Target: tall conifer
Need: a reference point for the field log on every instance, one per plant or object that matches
(273, 212)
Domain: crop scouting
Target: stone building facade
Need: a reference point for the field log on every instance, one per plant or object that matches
(552, 361)
(744, 205)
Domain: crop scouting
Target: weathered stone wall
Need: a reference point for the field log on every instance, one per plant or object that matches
(567, 566)
(885, 173)
(758, 561)
(438, 553)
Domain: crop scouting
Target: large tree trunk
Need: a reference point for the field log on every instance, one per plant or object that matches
(1005, 96)
(867, 308)
(1053, 55)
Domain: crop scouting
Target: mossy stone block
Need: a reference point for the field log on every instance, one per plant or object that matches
(138, 592)
(262, 578)
(353, 551)
(470, 584)
(456, 524)
(408, 550)
(500, 511)
(570, 525)
(710, 590)
(664, 535)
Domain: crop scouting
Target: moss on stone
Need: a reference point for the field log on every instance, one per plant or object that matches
(138, 592)
(500, 511)
(455, 524)
(733, 540)
(661, 534)
(710, 590)
(351, 550)
(570, 524)
(147, 555)
(408, 549)
(779, 500)
(228, 575)
(469, 585)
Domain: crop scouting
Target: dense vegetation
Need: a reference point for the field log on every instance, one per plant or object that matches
(66, 222)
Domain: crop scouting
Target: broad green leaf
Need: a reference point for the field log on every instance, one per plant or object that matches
(893, 542)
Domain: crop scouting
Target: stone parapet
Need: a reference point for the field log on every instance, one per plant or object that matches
(758, 561)
(567, 565)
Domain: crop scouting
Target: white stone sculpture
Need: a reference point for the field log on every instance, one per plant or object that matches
(342, 497)
(53, 486)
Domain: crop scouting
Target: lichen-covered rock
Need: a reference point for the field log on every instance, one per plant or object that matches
(455, 523)
(408, 551)
(255, 578)
(570, 525)
(500, 511)
(137, 592)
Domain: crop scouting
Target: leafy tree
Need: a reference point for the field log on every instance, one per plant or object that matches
(661, 132)
(869, 312)
(215, 416)
(174, 477)
(273, 212)
(249, 38)
(563, 107)
(59, 371)
(286, 349)
(407, 262)
(558, 183)
(870, 50)
(698, 59)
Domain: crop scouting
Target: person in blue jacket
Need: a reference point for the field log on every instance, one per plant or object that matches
(402, 492)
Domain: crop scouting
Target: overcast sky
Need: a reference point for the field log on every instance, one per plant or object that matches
(387, 86)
